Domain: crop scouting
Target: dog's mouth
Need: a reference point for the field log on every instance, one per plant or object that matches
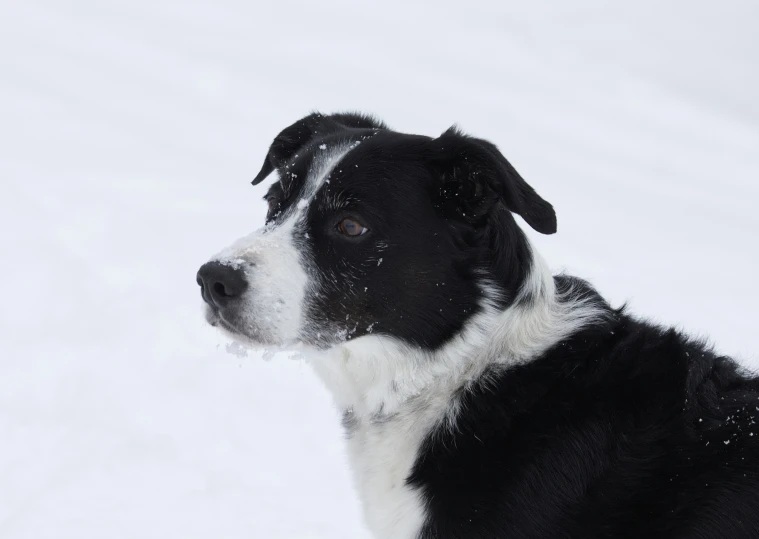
(216, 318)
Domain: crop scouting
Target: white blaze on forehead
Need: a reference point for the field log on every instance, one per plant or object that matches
(324, 162)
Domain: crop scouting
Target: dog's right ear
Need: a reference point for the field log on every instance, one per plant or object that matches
(289, 141)
(294, 137)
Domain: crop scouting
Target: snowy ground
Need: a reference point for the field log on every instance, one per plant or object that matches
(129, 131)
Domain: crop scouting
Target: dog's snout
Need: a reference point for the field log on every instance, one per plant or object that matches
(220, 283)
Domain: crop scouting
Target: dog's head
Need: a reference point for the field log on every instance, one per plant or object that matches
(374, 231)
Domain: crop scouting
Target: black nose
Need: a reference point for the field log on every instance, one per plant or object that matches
(220, 283)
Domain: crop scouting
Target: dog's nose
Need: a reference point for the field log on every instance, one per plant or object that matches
(220, 283)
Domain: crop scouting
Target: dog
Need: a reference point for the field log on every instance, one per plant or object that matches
(481, 396)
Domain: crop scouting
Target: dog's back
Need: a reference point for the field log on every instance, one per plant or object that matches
(622, 430)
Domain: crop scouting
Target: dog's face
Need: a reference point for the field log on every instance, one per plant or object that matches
(373, 231)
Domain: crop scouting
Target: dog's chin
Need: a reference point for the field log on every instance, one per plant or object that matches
(230, 329)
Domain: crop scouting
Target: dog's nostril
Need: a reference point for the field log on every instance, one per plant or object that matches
(219, 289)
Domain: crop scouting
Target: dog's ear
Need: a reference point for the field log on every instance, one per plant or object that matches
(473, 176)
(294, 137)
(289, 141)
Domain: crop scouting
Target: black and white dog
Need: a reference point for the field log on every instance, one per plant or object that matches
(482, 397)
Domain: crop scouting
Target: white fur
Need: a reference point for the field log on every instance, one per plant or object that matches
(279, 285)
(396, 393)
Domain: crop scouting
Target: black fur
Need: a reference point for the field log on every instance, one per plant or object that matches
(625, 430)
(305, 130)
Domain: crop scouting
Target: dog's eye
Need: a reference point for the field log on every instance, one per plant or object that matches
(272, 202)
(351, 227)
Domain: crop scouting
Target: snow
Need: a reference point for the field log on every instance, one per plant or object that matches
(130, 131)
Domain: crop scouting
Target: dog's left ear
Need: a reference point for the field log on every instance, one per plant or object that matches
(473, 176)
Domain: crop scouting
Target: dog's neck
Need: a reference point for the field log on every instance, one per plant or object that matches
(392, 395)
(378, 376)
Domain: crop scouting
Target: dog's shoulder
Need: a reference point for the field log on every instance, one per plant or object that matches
(619, 426)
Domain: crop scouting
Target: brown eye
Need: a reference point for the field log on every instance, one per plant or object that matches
(272, 202)
(351, 227)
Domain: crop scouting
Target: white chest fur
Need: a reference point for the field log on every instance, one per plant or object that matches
(396, 396)
(382, 453)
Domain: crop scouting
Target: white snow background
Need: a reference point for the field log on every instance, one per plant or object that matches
(129, 133)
